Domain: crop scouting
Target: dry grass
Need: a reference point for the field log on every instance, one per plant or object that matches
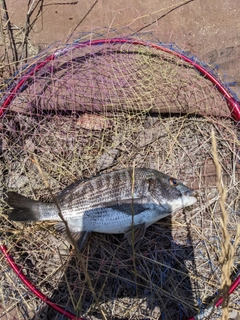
(179, 262)
(183, 260)
(228, 249)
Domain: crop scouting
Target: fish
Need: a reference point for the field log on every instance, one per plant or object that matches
(125, 202)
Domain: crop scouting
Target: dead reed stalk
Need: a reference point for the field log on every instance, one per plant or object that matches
(227, 254)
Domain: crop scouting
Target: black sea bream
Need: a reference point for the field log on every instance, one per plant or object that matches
(109, 203)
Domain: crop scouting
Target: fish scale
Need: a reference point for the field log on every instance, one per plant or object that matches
(93, 196)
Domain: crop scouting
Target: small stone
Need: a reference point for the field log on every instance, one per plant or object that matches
(107, 159)
(93, 122)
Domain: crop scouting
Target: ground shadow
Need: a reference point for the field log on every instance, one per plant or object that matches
(162, 288)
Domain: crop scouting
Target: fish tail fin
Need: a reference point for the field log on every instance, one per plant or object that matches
(24, 209)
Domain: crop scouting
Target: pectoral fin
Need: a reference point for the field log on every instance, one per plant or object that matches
(80, 237)
(135, 233)
(129, 209)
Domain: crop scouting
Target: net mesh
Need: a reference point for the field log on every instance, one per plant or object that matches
(93, 109)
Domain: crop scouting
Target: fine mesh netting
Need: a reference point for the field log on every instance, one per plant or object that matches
(94, 108)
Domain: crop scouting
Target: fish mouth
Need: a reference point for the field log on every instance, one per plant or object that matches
(189, 192)
(189, 197)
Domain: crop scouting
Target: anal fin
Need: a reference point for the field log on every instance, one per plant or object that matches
(80, 237)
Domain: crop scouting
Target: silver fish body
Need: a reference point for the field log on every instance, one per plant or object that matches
(109, 203)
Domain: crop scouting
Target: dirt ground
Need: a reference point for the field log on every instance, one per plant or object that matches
(208, 29)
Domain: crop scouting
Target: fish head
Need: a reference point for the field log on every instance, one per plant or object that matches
(170, 192)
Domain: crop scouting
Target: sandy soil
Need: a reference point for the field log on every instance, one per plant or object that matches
(209, 29)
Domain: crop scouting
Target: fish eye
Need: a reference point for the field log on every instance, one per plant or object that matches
(173, 182)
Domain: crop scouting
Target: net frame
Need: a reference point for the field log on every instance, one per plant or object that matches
(20, 85)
